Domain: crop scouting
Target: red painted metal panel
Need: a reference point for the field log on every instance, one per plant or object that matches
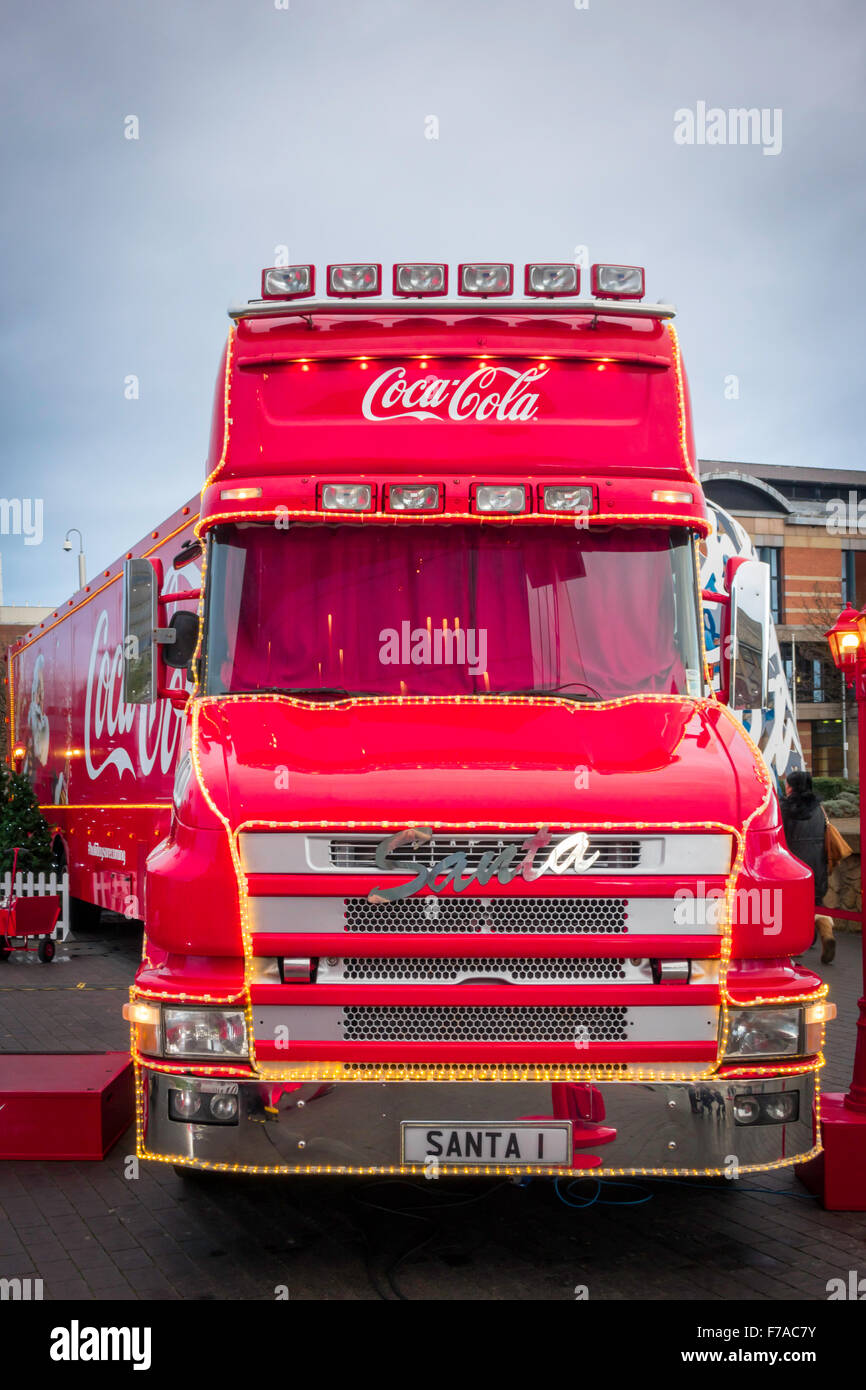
(484, 944)
(489, 1053)
(447, 996)
(64, 1105)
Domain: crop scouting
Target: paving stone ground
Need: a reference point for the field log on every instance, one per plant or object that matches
(89, 1233)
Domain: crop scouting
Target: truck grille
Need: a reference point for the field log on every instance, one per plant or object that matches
(447, 969)
(535, 916)
(358, 854)
(484, 1023)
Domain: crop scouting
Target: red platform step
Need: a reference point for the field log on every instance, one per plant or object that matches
(64, 1105)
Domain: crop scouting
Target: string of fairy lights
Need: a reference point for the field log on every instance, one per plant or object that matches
(340, 1071)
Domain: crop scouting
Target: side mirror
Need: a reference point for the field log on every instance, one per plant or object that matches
(139, 630)
(748, 634)
(190, 550)
(180, 652)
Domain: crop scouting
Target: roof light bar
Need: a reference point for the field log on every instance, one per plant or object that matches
(552, 279)
(351, 280)
(484, 278)
(617, 281)
(414, 497)
(288, 282)
(420, 278)
(346, 497)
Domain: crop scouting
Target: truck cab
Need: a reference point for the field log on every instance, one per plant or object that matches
(472, 867)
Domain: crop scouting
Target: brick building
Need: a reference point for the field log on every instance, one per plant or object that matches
(805, 523)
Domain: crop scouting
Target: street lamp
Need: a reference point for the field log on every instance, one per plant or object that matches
(838, 1175)
(67, 545)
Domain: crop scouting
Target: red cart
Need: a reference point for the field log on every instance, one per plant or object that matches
(25, 919)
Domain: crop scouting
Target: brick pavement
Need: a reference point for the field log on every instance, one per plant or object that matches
(90, 1233)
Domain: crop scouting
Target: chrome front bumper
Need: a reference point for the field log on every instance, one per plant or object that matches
(349, 1127)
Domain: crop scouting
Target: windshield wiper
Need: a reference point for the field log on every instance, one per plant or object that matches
(327, 692)
(555, 690)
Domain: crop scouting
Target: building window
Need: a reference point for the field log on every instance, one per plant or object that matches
(818, 695)
(849, 581)
(772, 556)
(827, 754)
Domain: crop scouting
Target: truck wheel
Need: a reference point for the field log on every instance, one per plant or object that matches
(5, 949)
(46, 950)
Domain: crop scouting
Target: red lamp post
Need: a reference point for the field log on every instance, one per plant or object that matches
(838, 1175)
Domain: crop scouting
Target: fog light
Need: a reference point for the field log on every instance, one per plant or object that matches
(484, 278)
(559, 278)
(347, 497)
(354, 279)
(781, 1106)
(417, 278)
(288, 282)
(224, 1108)
(746, 1110)
(567, 499)
(617, 281)
(414, 498)
(491, 498)
(183, 1105)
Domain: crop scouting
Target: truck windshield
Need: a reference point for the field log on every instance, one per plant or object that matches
(443, 609)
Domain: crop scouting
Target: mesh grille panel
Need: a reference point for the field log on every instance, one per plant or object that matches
(364, 969)
(359, 854)
(484, 1023)
(534, 915)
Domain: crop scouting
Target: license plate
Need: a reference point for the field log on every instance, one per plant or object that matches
(516, 1142)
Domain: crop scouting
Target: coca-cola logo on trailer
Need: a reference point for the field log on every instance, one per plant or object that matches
(492, 393)
(107, 717)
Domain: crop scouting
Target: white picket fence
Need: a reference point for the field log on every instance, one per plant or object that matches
(39, 885)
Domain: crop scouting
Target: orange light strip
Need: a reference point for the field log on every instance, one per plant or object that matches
(227, 380)
(586, 519)
(681, 402)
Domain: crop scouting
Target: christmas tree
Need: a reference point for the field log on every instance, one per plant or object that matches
(22, 826)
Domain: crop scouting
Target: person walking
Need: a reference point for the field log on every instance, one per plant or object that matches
(805, 824)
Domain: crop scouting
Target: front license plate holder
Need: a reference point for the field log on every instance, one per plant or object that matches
(518, 1143)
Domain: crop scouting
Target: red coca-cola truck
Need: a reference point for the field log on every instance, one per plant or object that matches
(401, 740)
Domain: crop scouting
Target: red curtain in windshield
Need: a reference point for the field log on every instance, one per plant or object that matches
(444, 610)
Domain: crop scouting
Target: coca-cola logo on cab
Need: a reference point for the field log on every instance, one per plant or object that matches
(490, 393)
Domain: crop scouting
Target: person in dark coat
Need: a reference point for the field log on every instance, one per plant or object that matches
(805, 824)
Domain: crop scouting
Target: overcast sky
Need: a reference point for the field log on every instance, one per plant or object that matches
(307, 126)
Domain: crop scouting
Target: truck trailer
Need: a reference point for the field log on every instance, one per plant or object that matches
(453, 849)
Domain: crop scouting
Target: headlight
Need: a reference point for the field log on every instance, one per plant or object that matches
(204, 1033)
(764, 1032)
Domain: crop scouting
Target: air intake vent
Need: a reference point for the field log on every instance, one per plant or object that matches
(503, 914)
(530, 1024)
(451, 969)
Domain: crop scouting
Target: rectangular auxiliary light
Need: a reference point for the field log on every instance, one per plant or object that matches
(617, 281)
(485, 278)
(551, 280)
(414, 497)
(239, 494)
(288, 282)
(496, 497)
(346, 497)
(349, 279)
(566, 499)
(663, 494)
(420, 278)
